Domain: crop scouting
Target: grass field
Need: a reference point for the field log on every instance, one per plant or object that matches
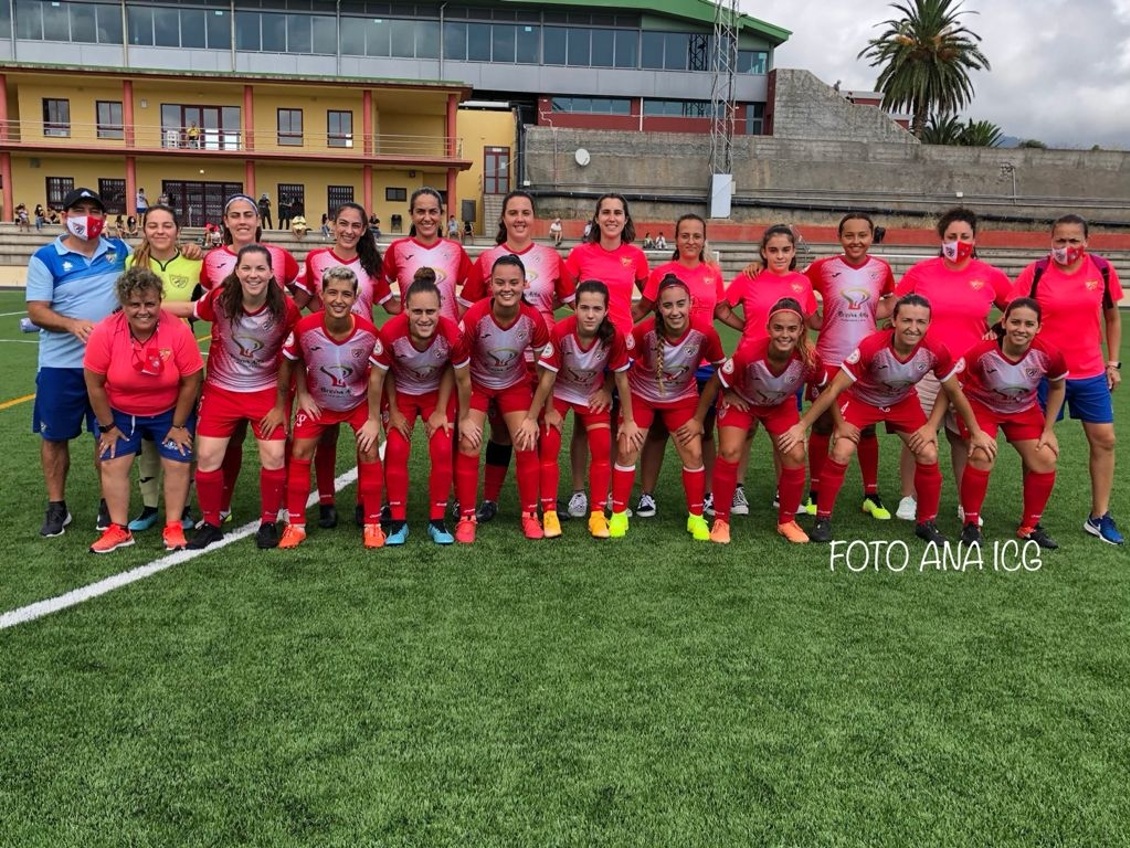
(651, 691)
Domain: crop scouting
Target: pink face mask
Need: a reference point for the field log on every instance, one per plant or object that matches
(85, 226)
(1068, 255)
(957, 251)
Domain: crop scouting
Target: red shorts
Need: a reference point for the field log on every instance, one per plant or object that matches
(1018, 426)
(516, 398)
(906, 416)
(583, 414)
(306, 427)
(221, 411)
(673, 415)
(494, 414)
(424, 405)
(776, 419)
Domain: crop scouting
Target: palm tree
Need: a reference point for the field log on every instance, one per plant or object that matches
(926, 57)
(944, 129)
(981, 134)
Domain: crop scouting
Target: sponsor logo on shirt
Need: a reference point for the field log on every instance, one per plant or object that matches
(856, 298)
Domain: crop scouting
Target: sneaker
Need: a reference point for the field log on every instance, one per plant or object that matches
(267, 536)
(928, 531)
(961, 516)
(173, 536)
(465, 531)
(146, 520)
(563, 511)
(698, 528)
(740, 506)
(793, 533)
(292, 537)
(809, 505)
(55, 520)
(578, 505)
(598, 526)
(359, 515)
(874, 507)
(397, 533)
(720, 532)
(1038, 535)
(531, 527)
(437, 532)
(551, 524)
(608, 506)
(486, 511)
(821, 530)
(103, 521)
(225, 516)
(1104, 528)
(327, 516)
(907, 509)
(971, 534)
(647, 508)
(373, 536)
(618, 525)
(113, 537)
(206, 534)
(708, 505)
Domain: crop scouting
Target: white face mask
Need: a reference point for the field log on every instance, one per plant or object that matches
(1068, 255)
(86, 227)
(957, 251)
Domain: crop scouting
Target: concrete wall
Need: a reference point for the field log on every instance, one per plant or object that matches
(803, 106)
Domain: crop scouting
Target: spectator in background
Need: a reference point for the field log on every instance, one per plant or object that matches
(297, 208)
(40, 217)
(556, 231)
(648, 241)
(265, 211)
(660, 242)
(452, 228)
(141, 202)
(131, 226)
(468, 232)
(285, 213)
(375, 226)
(325, 226)
(22, 219)
(193, 135)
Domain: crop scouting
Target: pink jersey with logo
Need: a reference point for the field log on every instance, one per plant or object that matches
(244, 354)
(850, 296)
(1072, 306)
(880, 378)
(220, 262)
(370, 290)
(680, 360)
(758, 295)
(418, 372)
(960, 301)
(497, 353)
(453, 267)
(1005, 386)
(704, 282)
(750, 373)
(623, 270)
(546, 287)
(580, 370)
(337, 371)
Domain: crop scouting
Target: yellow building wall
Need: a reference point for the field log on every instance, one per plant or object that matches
(478, 130)
(149, 95)
(83, 111)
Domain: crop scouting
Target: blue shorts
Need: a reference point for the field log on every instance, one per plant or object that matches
(134, 428)
(1088, 399)
(702, 376)
(61, 404)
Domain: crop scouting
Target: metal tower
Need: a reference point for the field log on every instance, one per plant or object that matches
(723, 110)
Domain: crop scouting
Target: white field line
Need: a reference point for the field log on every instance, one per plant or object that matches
(13, 314)
(21, 341)
(77, 596)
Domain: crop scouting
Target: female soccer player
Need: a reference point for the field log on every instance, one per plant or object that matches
(421, 343)
(760, 381)
(1001, 379)
(668, 349)
(143, 371)
(582, 349)
(877, 382)
(496, 333)
(345, 365)
(1079, 295)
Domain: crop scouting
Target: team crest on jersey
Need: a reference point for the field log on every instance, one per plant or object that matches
(797, 287)
(378, 348)
(358, 353)
(248, 346)
(522, 334)
(855, 298)
(630, 342)
(338, 374)
(68, 266)
(548, 349)
(976, 285)
(1092, 285)
(111, 256)
(853, 357)
(728, 367)
(959, 366)
(626, 261)
(1031, 372)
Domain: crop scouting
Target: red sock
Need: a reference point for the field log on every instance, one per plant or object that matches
(694, 484)
(527, 469)
(600, 467)
(831, 481)
(297, 489)
(622, 480)
(817, 456)
(396, 474)
(233, 462)
(272, 488)
(466, 482)
(790, 489)
(928, 485)
(549, 454)
(369, 484)
(440, 477)
(869, 463)
(974, 485)
(325, 463)
(1037, 490)
(724, 483)
(210, 494)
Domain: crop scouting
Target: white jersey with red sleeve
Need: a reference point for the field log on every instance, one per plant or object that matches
(1006, 386)
(244, 354)
(881, 378)
(417, 372)
(758, 295)
(221, 262)
(546, 287)
(681, 358)
(850, 295)
(453, 267)
(337, 371)
(498, 353)
(371, 291)
(750, 373)
(580, 370)
(704, 282)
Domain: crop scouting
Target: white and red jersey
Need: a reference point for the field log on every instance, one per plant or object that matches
(750, 373)
(704, 282)
(580, 370)
(850, 295)
(370, 290)
(1006, 386)
(453, 267)
(337, 370)
(418, 372)
(623, 270)
(881, 378)
(680, 361)
(546, 287)
(757, 295)
(220, 262)
(498, 353)
(244, 354)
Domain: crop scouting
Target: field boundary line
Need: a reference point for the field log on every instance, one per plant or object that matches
(16, 401)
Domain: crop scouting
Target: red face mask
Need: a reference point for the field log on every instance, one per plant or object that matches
(957, 251)
(85, 226)
(1068, 255)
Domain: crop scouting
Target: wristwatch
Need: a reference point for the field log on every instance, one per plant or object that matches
(1115, 364)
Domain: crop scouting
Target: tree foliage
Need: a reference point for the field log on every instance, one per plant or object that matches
(948, 129)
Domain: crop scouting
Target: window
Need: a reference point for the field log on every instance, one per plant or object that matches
(109, 118)
(57, 189)
(56, 117)
(752, 61)
(336, 195)
(113, 194)
(553, 45)
(396, 195)
(593, 105)
(219, 126)
(755, 119)
(170, 27)
(290, 127)
(339, 129)
(677, 108)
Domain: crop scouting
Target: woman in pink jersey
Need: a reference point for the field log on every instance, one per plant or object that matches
(668, 350)
(1001, 379)
(421, 344)
(962, 291)
(877, 383)
(855, 293)
(582, 349)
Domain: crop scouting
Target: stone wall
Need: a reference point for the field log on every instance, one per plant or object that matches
(803, 106)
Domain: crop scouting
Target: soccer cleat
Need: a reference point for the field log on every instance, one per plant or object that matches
(739, 505)
(205, 535)
(874, 507)
(618, 525)
(809, 506)
(821, 530)
(103, 521)
(113, 537)
(486, 511)
(1038, 535)
(578, 505)
(928, 531)
(292, 537)
(708, 505)
(1104, 528)
(971, 534)
(907, 509)
(598, 526)
(551, 524)
(647, 508)
(397, 533)
(698, 528)
(531, 527)
(55, 520)
(146, 520)
(793, 533)
(720, 532)
(465, 531)
(373, 536)
(437, 532)
(267, 536)
(173, 537)
(327, 516)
